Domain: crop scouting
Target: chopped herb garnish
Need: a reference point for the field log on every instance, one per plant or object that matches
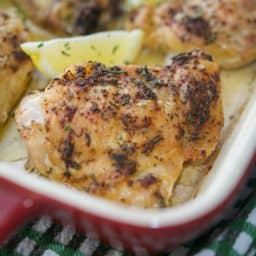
(126, 62)
(197, 14)
(121, 138)
(190, 118)
(115, 48)
(113, 103)
(158, 82)
(67, 46)
(93, 47)
(65, 53)
(125, 99)
(145, 73)
(21, 13)
(67, 128)
(40, 45)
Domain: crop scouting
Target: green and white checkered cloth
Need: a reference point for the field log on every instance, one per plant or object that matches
(234, 236)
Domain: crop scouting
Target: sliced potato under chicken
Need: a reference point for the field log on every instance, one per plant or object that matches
(224, 28)
(15, 66)
(124, 132)
(71, 16)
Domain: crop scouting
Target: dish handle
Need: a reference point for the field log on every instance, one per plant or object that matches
(16, 207)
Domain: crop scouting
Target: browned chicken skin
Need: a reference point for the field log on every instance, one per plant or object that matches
(224, 28)
(71, 16)
(124, 132)
(15, 66)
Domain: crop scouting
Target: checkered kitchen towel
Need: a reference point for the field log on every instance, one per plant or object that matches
(235, 236)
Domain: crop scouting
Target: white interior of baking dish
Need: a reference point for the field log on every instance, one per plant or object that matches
(227, 170)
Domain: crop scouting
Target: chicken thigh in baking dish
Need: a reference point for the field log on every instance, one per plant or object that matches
(71, 16)
(15, 66)
(224, 28)
(124, 132)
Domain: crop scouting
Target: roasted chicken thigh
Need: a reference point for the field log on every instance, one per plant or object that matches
(15, 66)
(71, 16)
(124, 132)
(224, 28)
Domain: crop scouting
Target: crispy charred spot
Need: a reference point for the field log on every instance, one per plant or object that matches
(197, 26)
(173, 89)
(100, 73)
(149, 77)
(146, 93)
(148, 180)
(108, 112)
(122, 99)
(128, 148)
(125, 99)
(81, 82)
(200, 97)
(70, 112)
(147, 121)
(181, 59)
(203, 153)
(66, 148)
(68, 76)
(145, 73)
(184, 58)
(67, 174)
(105, 93)
(88, 17)
(56, 80)
(94, 107)
(149, 146)
(180, 133)
(157, 82)
(114, 70)
(128, 121)
(20, 56)
(14, 40)
(80, 71)
(123, 164)
(87, 139)
(171, 11)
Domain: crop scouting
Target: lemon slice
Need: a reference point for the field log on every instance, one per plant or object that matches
(111, 48)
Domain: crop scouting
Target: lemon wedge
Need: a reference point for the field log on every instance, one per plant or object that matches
(110, 48)
(130, 4)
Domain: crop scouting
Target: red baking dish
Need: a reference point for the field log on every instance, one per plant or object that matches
(25, 195)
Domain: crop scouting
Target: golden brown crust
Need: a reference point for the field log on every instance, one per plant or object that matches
(226, 29)
(70, 16)
(15, 66)
(123, 132)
